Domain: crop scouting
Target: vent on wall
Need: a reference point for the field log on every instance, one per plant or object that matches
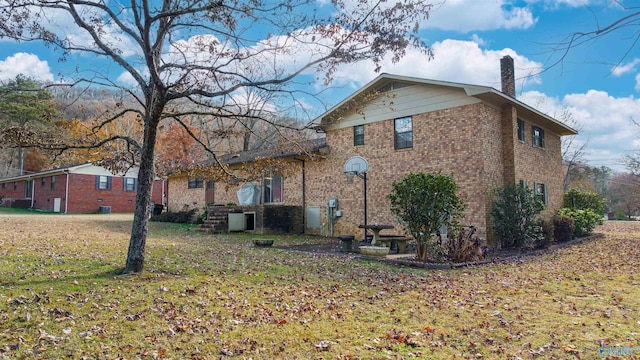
(105, 209)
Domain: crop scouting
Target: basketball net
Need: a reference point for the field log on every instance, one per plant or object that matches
(349, 176)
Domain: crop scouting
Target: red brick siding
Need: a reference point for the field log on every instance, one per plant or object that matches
(7, 190)
(44, 195)
(85, 198)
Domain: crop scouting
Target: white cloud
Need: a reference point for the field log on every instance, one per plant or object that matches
(27, 64)
(473, 15)
(454, 60)
(606, 122)
(625, 68)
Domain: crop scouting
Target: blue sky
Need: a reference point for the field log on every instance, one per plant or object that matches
(598, 82)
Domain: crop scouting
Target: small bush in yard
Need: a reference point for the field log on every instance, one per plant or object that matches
(514, 217)
(585, 220)
(424, 203)
(563, 228)
(465, 247)
(581, 199)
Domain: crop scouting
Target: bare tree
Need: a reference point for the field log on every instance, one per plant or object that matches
(198, 51)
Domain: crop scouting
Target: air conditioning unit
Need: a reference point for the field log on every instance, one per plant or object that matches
(105, 209)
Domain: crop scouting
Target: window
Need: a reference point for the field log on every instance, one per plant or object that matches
(537, 135)
(4, 185)
(358, 135)
(195, 183)
(523, 183)
(403, 133)
(42, 181)
(103, 182)
(27, 189)
(211, 184)
(272, 185)
(130, 184)
(15, 185)
(53, 182)
(521, 130)
(540, 191)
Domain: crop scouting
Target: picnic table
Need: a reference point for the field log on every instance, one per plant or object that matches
(376, 228)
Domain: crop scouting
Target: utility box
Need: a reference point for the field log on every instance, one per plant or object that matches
(105, 209)
(236, 222)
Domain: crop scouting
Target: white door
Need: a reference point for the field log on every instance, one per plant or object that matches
(56, 204)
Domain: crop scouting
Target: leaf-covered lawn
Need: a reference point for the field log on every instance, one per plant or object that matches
(206, 297)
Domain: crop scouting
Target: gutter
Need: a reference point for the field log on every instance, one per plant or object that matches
(304, 194)
(66, 194)
(33, 192)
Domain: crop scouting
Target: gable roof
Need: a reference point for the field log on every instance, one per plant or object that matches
(484, 93)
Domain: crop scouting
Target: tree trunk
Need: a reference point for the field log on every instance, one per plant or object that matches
(20, 170)
(137, 242)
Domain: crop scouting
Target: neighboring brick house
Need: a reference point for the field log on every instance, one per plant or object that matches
(401, 124)
(84, 188)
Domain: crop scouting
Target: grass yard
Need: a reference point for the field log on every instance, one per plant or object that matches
(206, 297)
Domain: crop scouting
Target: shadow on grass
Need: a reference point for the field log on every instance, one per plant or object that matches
(65, 280)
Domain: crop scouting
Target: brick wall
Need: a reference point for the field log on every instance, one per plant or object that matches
(225, 191)
(12, 190)
(45, 194)
(477, 143)
(180, 197)
(538, 165)
(466, 141)
(85, 198)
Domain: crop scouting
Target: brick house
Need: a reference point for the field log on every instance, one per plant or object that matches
(399, 124)
(84, 188)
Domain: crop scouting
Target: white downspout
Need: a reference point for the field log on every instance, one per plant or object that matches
(66, 195)
(33, 192)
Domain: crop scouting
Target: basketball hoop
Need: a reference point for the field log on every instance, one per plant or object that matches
(349, 176)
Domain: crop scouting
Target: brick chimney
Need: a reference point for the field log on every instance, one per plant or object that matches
(507, 76)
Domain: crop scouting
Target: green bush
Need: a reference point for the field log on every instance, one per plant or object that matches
(581, 199)
(585, 220)
(424, 203)
(546, 233)
(514, 217)
(563, 227)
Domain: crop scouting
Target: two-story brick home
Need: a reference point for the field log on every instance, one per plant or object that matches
(84, 188)
(485, 137)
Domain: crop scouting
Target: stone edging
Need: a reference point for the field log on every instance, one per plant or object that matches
(445, 266)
